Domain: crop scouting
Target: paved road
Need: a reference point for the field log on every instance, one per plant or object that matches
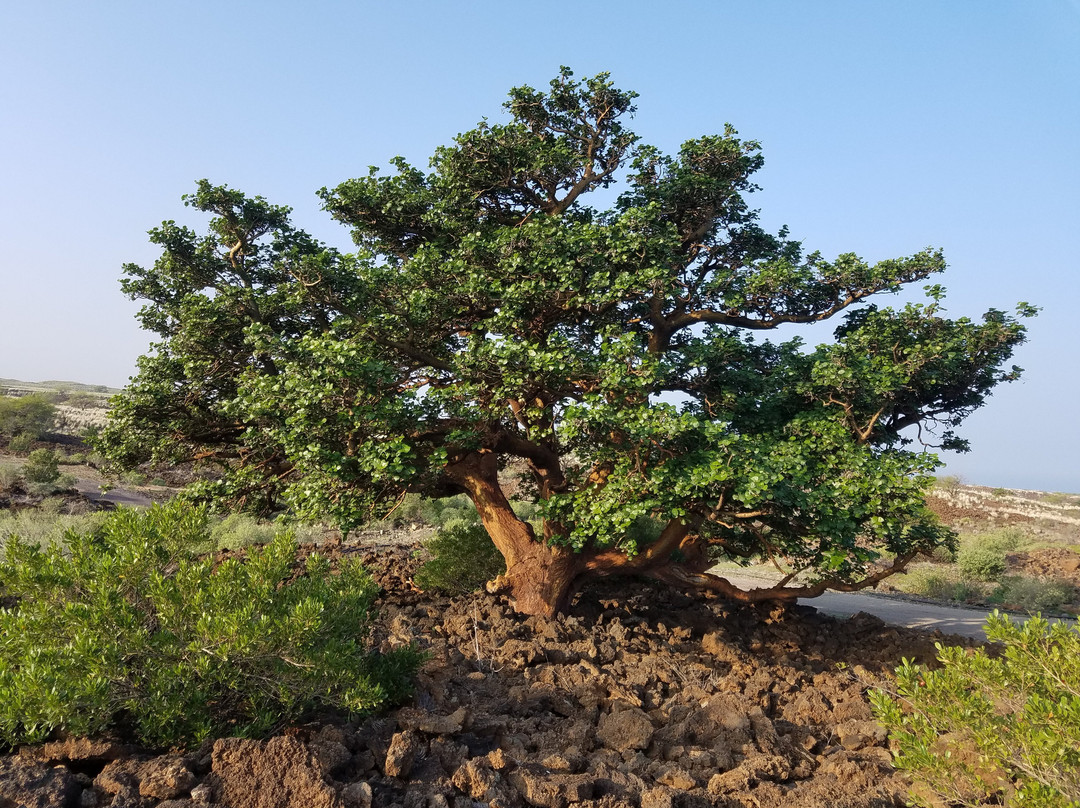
(895, 611)
(117, 496)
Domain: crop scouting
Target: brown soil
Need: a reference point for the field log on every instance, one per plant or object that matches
(640, 697)
(1058, 563)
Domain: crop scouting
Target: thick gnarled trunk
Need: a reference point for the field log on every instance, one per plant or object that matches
(539, 577)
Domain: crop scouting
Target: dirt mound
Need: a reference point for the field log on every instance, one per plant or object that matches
(640, 697)
(1060, 563)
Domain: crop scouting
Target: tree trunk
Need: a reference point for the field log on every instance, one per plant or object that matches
(539, 577)
(541, 583)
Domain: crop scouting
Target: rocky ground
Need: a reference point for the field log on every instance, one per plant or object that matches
(639, 697)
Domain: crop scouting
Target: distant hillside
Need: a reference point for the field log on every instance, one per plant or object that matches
(15, 387)
(981, 507)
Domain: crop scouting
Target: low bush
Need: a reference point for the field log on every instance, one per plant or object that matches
(10, 477)
(987, 730)
(1006, 539)
(943, 555)
(1031, 594)
(127, 630)
(981, 562)
(133, 477)
(240, 530)
(63, 482)
(21, 444)
(243, 530)
(949, 482)
(932, 584)
(42, 466)
(41, 528)
(463, 559)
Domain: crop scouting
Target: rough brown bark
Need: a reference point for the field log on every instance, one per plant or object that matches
(541, 578)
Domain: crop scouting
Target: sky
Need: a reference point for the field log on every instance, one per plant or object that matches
(885, 127)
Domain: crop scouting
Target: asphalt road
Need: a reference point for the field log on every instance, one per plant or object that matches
(118, 496)
(893, 610)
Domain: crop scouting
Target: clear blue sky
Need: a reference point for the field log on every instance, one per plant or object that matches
(886, 127)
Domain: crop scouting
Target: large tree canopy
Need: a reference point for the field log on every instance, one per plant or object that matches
(491, 313)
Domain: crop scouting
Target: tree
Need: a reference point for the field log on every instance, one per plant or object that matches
(31, 415)
(491, 314)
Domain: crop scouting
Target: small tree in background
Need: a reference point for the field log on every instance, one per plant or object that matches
(493, 312)
(31, 415)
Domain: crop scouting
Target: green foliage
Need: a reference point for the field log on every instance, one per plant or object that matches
(42, 466)
(41, 527)
(982, 556)
(937, 584)
(124, 628)
(493, 312)
(1032, 594)
(31, 415)
(986, 729)
(241, 530)
(133, 477)
(949, 482)
(1006, 539)
(943, 555)
(63, 482)
(10, 477)
(415, 509)
(464, 559)
(21, 444)
(1060, 499)
(981, 562)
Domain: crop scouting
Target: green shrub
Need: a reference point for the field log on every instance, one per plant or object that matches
(51, 507)
(43, 466)
(444, 511)
(987, 730)
(949, 482)
(928, 584)
(464, 559)
(41, 528)
(133, 477)
(63, 482)
(415, 509)
(981, 562)
(30, 415)
(1031, 594)
(240, 530)
(943, 555)
(10, 477)
(126, 629)
(21, 444)
(1006, 539)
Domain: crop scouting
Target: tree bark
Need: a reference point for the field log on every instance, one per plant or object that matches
(539, 577)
